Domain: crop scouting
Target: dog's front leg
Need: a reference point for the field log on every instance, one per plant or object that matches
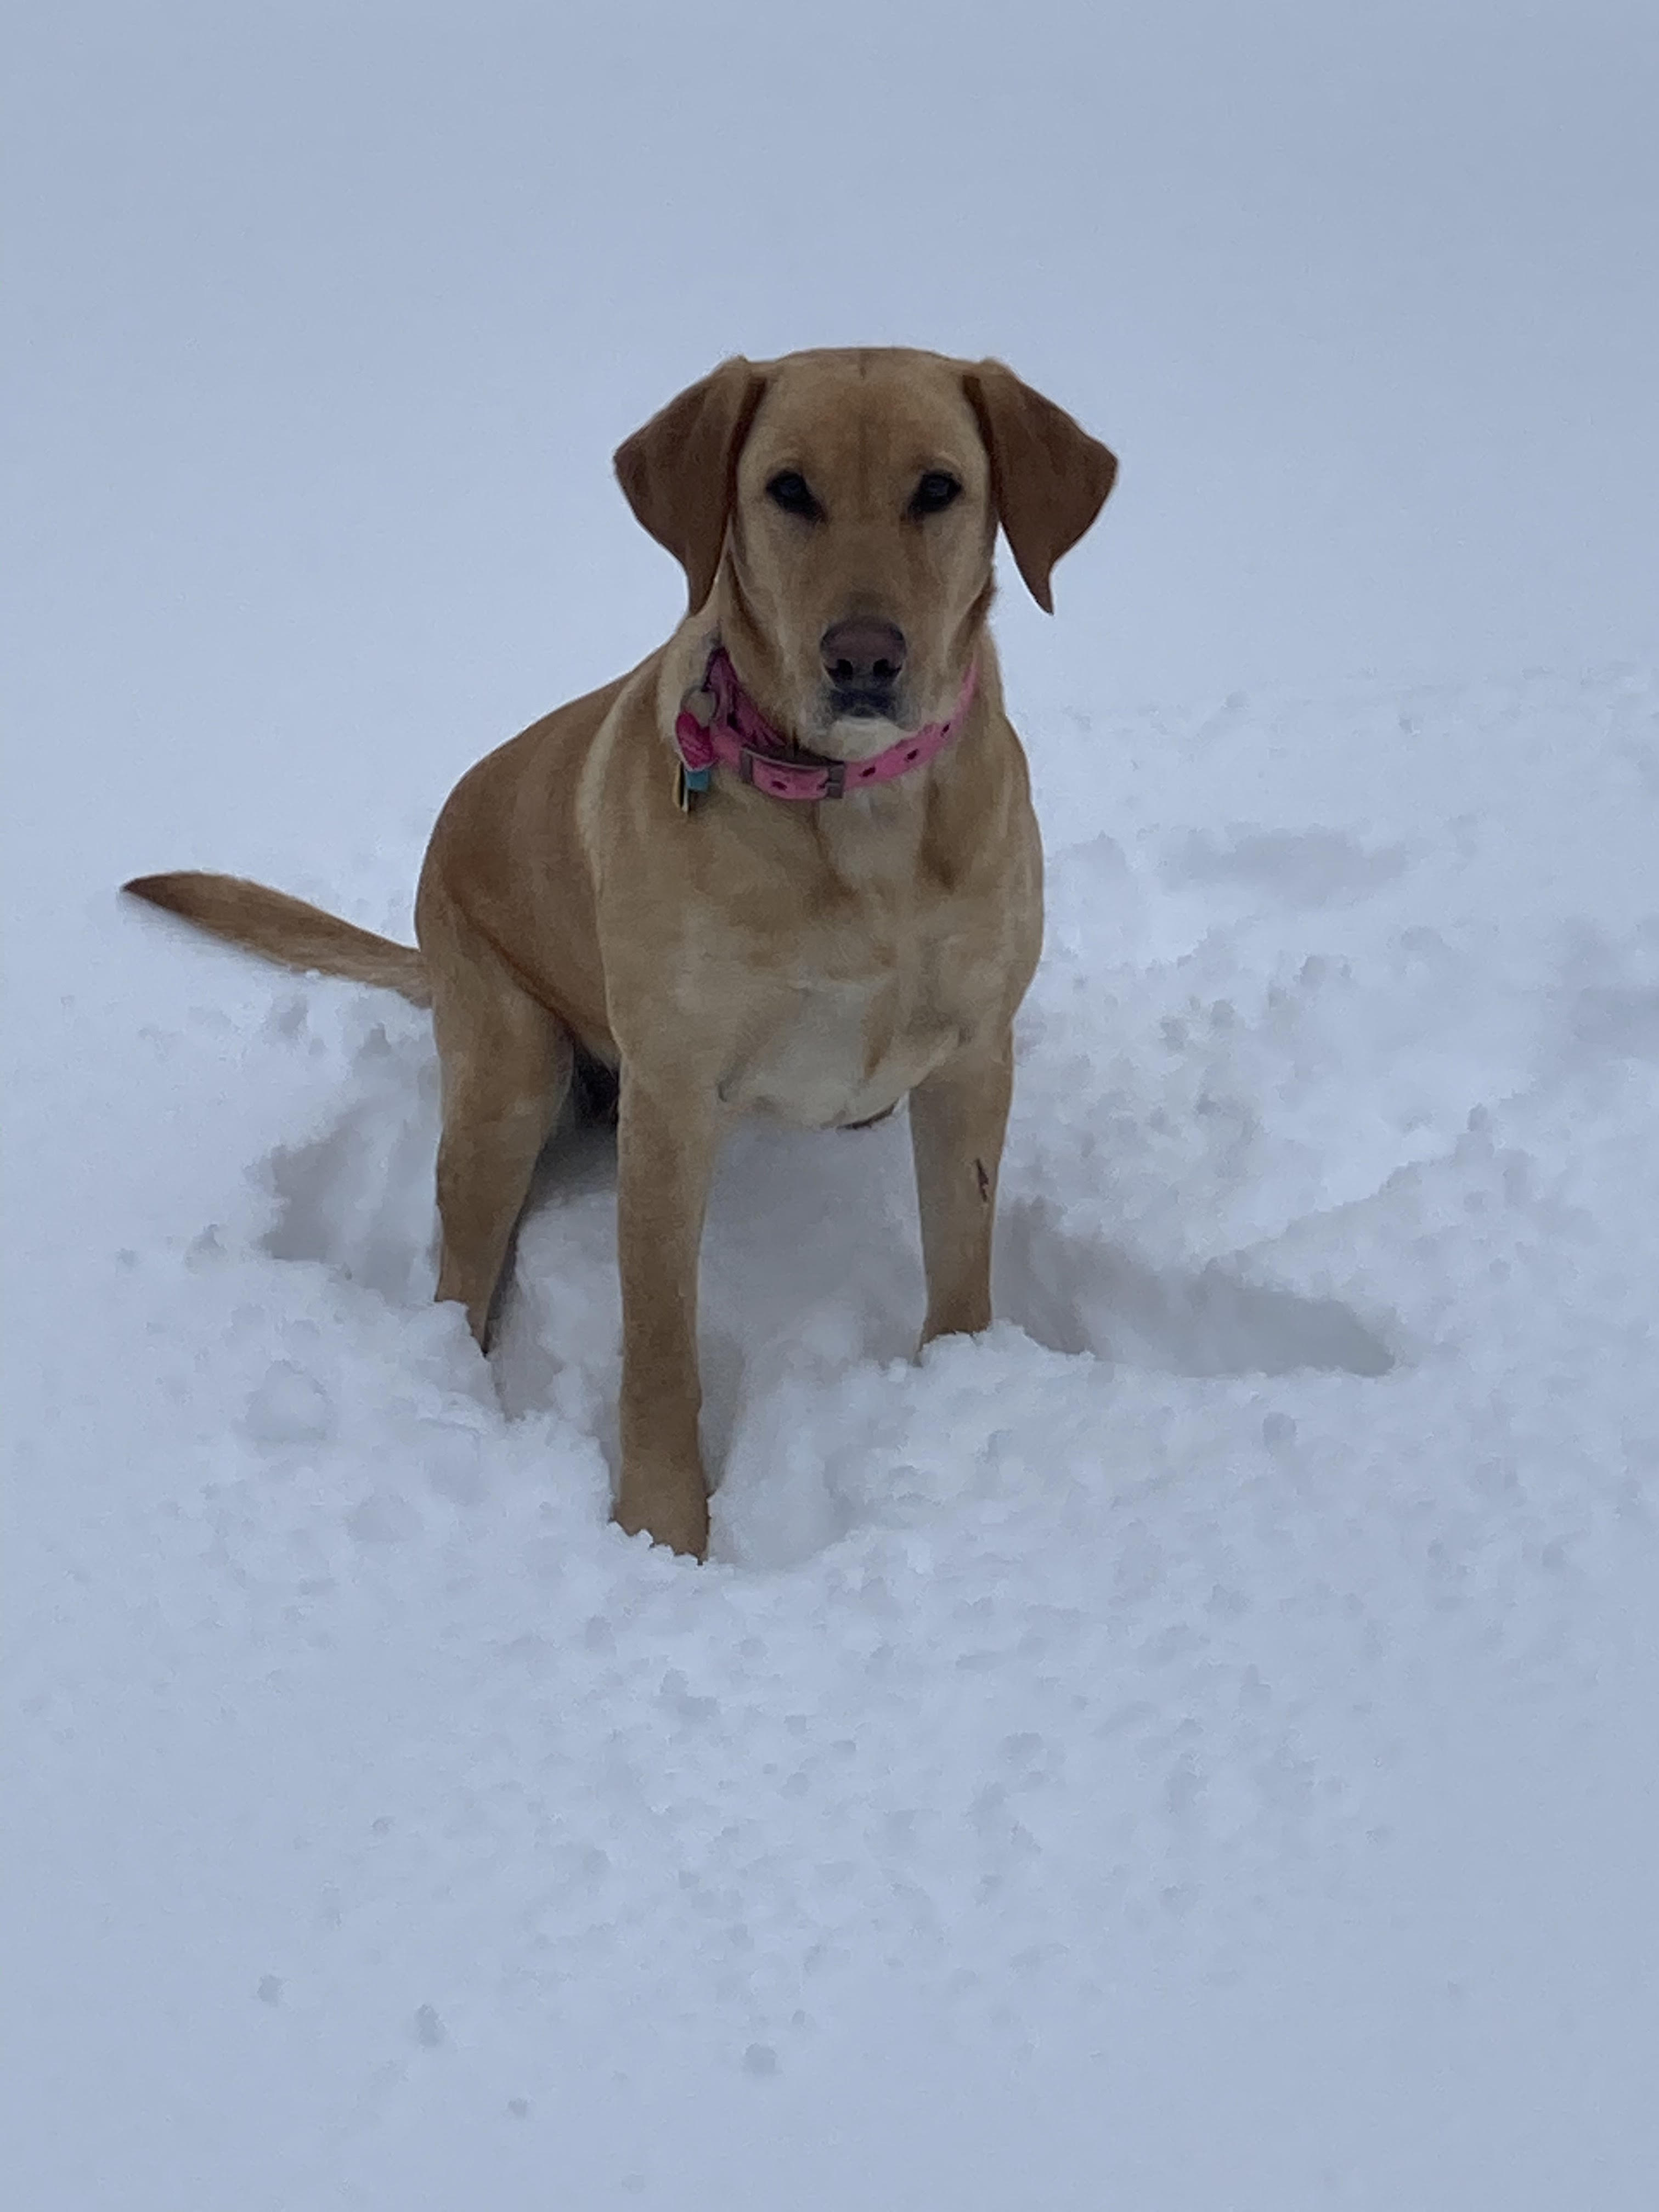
(958, 1120)
(665, 1145)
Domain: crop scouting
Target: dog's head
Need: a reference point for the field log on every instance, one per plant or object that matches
(835, 513)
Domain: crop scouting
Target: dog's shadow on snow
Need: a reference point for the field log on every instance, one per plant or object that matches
(1076, 1294)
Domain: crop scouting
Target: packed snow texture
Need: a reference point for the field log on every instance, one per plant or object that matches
(1193, 1747)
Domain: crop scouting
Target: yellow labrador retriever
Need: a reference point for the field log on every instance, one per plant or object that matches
(788, 864)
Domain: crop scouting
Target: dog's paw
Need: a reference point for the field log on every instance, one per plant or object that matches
(677, 1518)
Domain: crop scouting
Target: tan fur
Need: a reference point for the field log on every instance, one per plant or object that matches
(286, 930)
(817, 962)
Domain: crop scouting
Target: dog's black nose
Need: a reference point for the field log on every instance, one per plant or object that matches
(862, 655)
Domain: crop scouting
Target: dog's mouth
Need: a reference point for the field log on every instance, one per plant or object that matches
(864, 702)
(861, 720)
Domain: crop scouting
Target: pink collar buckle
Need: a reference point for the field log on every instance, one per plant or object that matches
(718, 724)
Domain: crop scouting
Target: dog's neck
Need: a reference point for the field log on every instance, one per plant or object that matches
(718, 725)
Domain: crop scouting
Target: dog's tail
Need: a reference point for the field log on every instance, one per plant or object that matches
(286, 930)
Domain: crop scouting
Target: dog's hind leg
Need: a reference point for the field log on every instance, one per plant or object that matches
(506, 1064)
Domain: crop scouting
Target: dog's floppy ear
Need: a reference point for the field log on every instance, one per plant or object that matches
(679, 471)
(1049, 479)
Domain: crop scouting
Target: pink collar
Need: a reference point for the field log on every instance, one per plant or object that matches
(720, 723)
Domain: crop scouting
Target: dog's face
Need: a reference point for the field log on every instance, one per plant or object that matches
(858, 550)
(835, 515)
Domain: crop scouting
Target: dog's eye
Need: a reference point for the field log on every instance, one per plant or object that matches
(935, 493)
(791, 491)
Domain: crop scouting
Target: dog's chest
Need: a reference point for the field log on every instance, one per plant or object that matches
(851, 1021)
(842, 1052)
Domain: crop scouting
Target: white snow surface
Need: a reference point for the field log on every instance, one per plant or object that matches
(1193, 1748)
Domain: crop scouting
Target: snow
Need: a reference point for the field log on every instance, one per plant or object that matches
(1193, 1747)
